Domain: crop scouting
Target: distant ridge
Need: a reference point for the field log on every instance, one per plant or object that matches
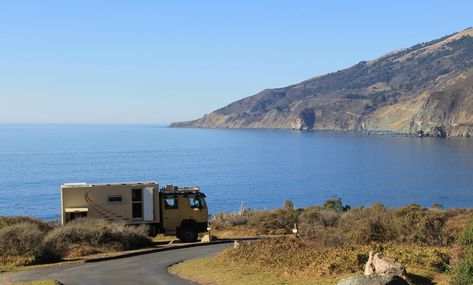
(426, 89)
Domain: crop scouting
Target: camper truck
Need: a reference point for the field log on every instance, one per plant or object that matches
(171, 210)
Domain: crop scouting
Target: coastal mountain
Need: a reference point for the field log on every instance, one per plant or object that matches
(425, 89)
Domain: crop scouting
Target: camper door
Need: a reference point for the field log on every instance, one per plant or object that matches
(142, 204)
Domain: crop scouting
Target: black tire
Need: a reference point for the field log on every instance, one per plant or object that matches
(187, 233)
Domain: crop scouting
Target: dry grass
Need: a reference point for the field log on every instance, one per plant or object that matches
(295, 256)
(296, 261)
(87, 236)
(211, 270)
(25, 241)
(22, 244)
(336, 224)
(334, 241)
(235, 232)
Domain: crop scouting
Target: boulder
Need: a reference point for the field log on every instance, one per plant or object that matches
(236, 244)
(373, 279)
(207, 238)
(382, 265)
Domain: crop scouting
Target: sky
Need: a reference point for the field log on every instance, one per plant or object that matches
(165, 61)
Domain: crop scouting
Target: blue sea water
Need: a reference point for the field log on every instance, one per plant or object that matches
(260, 168)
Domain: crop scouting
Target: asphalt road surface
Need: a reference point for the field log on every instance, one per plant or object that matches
(144, 269)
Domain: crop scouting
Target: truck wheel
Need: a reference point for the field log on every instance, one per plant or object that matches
(187, 234)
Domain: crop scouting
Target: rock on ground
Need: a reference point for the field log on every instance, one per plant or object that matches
(373, 279)
(382, 265)
(206, 238)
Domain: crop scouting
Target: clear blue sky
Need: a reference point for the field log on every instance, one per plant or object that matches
(164, 61)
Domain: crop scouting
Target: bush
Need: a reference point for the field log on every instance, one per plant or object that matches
(420, 225)
(288, 205)
(335, 223)
(227, 219)
(9, 221)
(374, 224)
(314, 221)
(279, 221)
(86, 236)
(22, 244)
(25, 241)
(336, 204)
(463, 272)
(287, 255)
(467, 237)
(432, 229)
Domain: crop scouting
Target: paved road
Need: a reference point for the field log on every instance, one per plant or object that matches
(143, 269)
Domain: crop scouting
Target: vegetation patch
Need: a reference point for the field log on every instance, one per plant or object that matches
(26, 241)
(336, 224)
(463, 271)
(211, 270)
(289, 256)
(22, 244)
(88, 236)
(334, 241)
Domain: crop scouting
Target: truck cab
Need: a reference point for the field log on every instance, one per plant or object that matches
(184, 212)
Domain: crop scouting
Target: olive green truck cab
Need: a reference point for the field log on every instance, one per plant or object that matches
(171, 210)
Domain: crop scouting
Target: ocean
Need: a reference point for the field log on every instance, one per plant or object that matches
(259, 168)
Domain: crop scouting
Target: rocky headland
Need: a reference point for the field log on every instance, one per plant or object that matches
(424, 90)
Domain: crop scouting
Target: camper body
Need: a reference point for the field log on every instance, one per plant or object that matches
(171, 210)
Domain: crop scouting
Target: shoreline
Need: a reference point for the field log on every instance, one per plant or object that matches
(419, 134)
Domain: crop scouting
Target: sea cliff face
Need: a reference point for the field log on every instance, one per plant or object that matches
(426, 89)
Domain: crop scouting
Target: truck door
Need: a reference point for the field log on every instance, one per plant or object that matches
(198, 209)
(171, 212)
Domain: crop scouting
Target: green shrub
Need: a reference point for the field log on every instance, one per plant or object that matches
(463, 272)
(336, 204)
(467, 237)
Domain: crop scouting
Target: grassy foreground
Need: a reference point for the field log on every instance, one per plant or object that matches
(211, 270)
(334, 241)
(289, 261)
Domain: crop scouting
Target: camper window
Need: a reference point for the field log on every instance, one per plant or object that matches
(137, 203)
(170, 203)
(75, 215)
(115, 199)
(136, 195)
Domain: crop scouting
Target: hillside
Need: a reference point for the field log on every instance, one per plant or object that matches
(427, 88)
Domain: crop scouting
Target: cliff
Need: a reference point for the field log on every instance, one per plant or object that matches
(427, 88)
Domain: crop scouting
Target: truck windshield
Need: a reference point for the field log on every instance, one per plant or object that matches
(197, 202)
